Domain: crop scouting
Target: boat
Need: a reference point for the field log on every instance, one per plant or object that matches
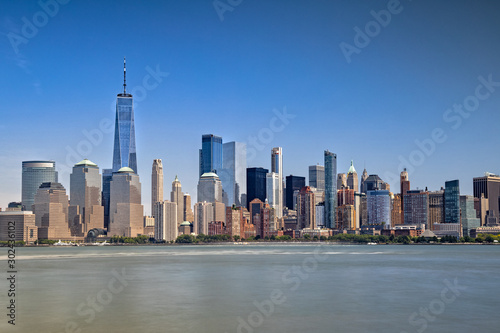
(59, 243)
(371, 243)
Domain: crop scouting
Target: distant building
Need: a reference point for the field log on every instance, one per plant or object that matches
(177, 196)
(397, 214)
(14, 207)
(51, 212)
(404, 184)
(233, 173)
(256, 184)
(364, 177)
(203, 215)
(126, 210)
(277, 167)
(21, 224)
(341, 181)
(107, 176)
(317, 177)
(352, 178)
(188, 211)
(209, 188)
(489, 187)
(306, 208)
(330, 188)
(86, 211)
(468, 214)
(447, 229)
(346, 218)
(273, 190)
(379, 208)
(165, 225)
(345, 196)
(416, 207)
(374, 182)
(210, 154)
(436, 208)
(34, 173)
(156, 183)
(293, 183)
(452, 202)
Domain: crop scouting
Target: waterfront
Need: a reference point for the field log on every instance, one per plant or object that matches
(259, 288)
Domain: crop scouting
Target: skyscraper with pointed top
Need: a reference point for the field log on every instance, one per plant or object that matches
(124, 153)
(352, 178)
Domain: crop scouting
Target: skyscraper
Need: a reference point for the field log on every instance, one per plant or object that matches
(293, 183)
(404, 185)
(210, 154)
(256, 184)
(188, 211)
(107, 176)
(35, 173)
(51, 212)
(124, 153)
(209, 188)
(379, 208)
(341, 181)
(468, 214)
(364, 177)
(330, 188)
(452, 201)
(489, 186)
(317, 177)
(178, 197)
(436, 208)
(166, 227)
(85, 211)
(272, 189)
(416, 208)
(306, 208)
(156, 184)
(233, 173)
(352, 178)
(277, 167)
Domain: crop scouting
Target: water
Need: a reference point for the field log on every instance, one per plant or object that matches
(231, 288)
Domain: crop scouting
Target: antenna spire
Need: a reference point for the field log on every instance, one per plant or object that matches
(124, 76)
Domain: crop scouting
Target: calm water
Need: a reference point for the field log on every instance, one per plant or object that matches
(332, 288)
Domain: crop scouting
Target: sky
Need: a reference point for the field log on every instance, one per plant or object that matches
(386, 84)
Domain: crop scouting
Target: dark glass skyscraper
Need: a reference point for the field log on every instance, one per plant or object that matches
(452, 202)
(293, 183)
(256, 184)
(210, 154)
(330, 188)
(34, 174)
(124, 154)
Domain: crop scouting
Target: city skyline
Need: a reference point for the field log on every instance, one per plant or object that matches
(315, 84)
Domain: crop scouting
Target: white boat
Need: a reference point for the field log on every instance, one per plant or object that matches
(371, 243)
(62, 244)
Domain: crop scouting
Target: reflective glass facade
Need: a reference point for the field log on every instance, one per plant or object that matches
(35, 173)
(256, 184)
(210, 154)
(452, 202)
(330, 188)
(124, 151)
(233, 173)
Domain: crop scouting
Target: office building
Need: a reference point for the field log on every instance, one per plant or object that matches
(379, 208)
(210, 154)
(177, 196)
(256, 184)
(489, 188)
(23, 223)
(330, 188)
(209, 188)
(277, 167)
(346, 218)
(317, 177)
(165, 215)
(273, 190)
(34, 173)
(156, 183)
(364, 177)
(468, 214)
(51, 212)
(293, 183)
(341, 181)
(306, 208)
(452, 202)
(397, 213)
(86, 211)
(188, 211)
(345, 196)
(416, 208)
(352, 178)
(404, 185)
(233, 173)
(436, 207)
(107, 176)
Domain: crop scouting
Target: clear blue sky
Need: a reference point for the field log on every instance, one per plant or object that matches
(226, 78)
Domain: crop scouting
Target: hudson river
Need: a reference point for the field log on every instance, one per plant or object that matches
(255, 288)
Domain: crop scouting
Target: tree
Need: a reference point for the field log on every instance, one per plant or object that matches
(307, 237)
(236, 238)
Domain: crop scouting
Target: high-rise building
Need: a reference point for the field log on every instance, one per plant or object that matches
(317, 177)
(379, 208)
(360, 208)
(261, 216)
(188, 211)
(352, 178)
(452, 201)
(107, 176)
(166, 228)
(436, 208)
(345, 196)
(178, 197)
(397, 212)
(203, 215)
(468, 214)
(330, 188)
(233, 173)
(209, 188)
(364, 177)
(404, 185)
(416, 208)
(293, 183)
(210, 154)
(272, 189)
(256, 184)
(51, 212)
(125, 209)
(341, 181)
(85, 211)
(306, 208)
(346, 218)
(33, 175)
(156, 184)
(489, 187)
(372, 183)
(25, 227)
(277, 167)
(124, 151)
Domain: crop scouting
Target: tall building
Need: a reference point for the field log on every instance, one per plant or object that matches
(209, 188)
(25, 227)
(372, 183)
(489, 187)
(35, 173)
(416, 208)
(86, 211)
(364, 177)
(317, 177)
(345, 196)
(188, 211)
(107, 176)
(277, 167)
(330, 188)
(352, 178)
(256, 184)
(404, 185)
(261, 216)
(178, 197)
(468, 214)
(156, 184)
(166, 228)
(306, 208)
(341, 181)
(124, 151)
(397, 212)
(436, 208)
(125, 209)
(293, 183)
(379, 208)
(203, 215)
(51, 212)
(233, 173)
(346, 218)
(273, 189)
(210, 154)
(452, 201)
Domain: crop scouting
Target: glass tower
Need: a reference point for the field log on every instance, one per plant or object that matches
(233, 174)
(33, 175)
(330, 188)
(452, 202)
(210, 154)
(277, 167)
(256, 184)
(124, 154)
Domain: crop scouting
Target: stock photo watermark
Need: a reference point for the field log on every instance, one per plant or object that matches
(30, 27)
(420, 319)
(222, 6)
(454, 117)
(363, 37)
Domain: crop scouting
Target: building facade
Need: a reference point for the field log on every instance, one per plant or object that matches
(210, 154)
(165, 216)
(51, 212)
(233, 173)
(256, 184)
(317, 177)
(34, 173)
(330, 188)
(452, 201)
(293, 183)
(379, 208)
(277, 167)
(209, 188)
(156, 183)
